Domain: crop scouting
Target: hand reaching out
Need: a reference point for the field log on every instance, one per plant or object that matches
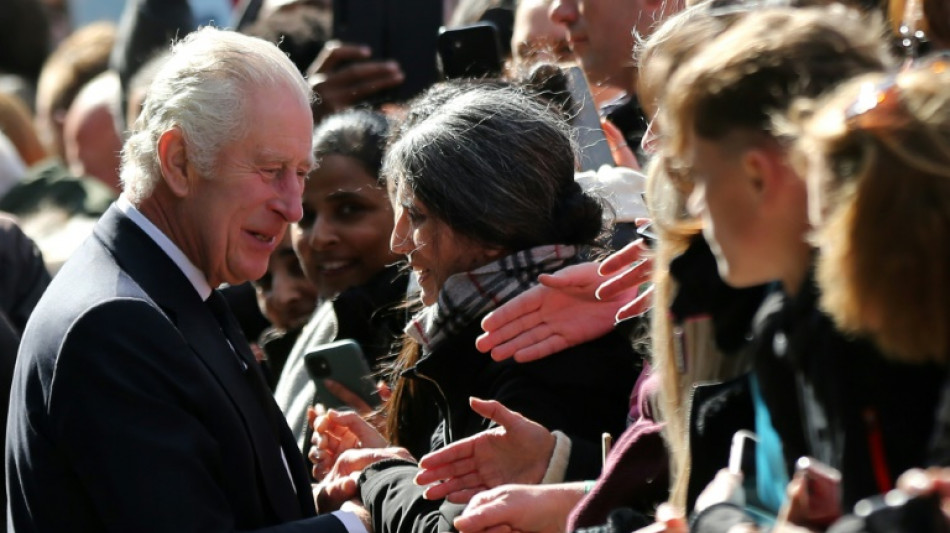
(572, 306)
(526, 508)
(517, 451)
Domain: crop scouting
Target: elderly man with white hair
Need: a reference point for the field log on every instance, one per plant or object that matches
(137, 404)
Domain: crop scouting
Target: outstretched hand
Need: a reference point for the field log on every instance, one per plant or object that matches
(517, 451)
(534, 508)
(572, 306)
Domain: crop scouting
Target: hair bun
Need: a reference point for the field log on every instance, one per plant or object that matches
(578, 216)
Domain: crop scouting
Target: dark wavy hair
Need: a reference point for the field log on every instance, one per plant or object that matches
(496, 166)
(357, 133)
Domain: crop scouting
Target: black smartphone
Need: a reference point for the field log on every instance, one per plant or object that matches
(591, 141)
(471, 51)
(402, 30)
(343, 362)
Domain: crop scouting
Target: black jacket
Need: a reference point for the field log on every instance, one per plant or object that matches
(582, 391)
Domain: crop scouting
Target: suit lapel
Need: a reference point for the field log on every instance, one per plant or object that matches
(169, 288)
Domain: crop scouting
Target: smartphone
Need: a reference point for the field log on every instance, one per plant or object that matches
(742, 461)
(823, 487)
(471, 51)
(402, 30)
(591, 141)
(343, 362)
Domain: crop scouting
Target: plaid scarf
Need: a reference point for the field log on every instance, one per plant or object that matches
(469, 295)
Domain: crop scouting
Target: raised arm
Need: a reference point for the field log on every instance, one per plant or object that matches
(572, 306)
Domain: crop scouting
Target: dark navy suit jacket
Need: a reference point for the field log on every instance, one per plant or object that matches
(131, 412)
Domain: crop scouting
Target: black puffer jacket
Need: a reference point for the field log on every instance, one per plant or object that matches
(582, 391)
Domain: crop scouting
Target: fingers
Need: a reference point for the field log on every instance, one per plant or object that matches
(382, 388)
(641, 304)
(577, 281)
(496, 412)
(452, 453)
(334, 53)
(623, 258)
(622, 154)
(440, 467)
(626, 281)
(365, 433)
(541, 349)
(348, 397)
(533, 340)
(331, 495)
(510, 337)
(457, 490)
(523, 304)
(482, 514)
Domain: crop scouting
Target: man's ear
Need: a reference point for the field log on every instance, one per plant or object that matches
(173, 159)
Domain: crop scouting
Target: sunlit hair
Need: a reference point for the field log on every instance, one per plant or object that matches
(725, 85)
(496, 167)
(877, 158)
(658, 57)
(202, 90)
(762, 63)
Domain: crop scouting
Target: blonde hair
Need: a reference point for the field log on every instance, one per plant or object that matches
(659, 56)
(880, 179)
(760, 59)
(760, 64)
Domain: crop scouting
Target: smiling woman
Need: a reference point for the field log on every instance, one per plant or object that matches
(342, 241)
(482, 182)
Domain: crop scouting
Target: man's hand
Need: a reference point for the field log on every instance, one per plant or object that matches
(341, 482)
(518, 451)
(525, 508)
(336, 432)
(343, 76)
(572, 306)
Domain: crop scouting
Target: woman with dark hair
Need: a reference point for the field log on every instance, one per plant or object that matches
(342, 242)
(485, 200)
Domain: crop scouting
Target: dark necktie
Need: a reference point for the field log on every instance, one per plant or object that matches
(255, 378)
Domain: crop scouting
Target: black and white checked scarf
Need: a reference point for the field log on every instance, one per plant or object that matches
(469, 295)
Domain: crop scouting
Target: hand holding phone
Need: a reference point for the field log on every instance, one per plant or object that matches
(343, 362)
(814, 495)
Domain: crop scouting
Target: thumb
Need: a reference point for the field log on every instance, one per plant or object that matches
(494, 411)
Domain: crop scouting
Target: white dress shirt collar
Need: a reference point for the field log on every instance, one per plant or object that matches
(194, 275)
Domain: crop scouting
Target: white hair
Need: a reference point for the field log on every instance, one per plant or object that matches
(201, 90)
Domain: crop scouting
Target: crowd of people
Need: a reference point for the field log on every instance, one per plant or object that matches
(249, 283)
